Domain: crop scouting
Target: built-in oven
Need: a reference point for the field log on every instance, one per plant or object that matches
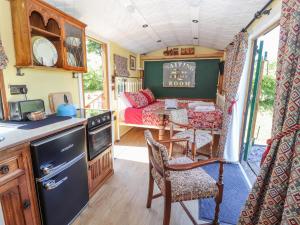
(99, 134)
(99, 139)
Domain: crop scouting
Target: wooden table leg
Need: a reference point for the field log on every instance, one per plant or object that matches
(161, 131)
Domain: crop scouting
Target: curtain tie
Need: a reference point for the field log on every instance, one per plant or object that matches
(232, 103)
(278, 136)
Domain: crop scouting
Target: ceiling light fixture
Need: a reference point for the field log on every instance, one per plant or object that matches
(145, 25)
(195, 21)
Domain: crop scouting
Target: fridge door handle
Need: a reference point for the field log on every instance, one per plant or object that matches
(52, 184)
(49, 168)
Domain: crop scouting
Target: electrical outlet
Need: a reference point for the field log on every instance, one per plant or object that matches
(18, 89)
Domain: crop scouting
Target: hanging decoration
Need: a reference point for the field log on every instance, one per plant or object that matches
(179, 74)
(121, 66)
(3, 57)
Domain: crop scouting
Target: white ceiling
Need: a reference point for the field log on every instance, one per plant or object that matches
(169, 21)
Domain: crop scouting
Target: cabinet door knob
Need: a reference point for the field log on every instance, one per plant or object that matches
(26, 204)
(4, 169)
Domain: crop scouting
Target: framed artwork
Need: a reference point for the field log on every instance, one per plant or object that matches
(179, 74)
(121, 66)
(132, 62)
(187, 51)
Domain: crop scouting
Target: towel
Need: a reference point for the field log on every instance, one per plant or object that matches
(171, 104)
(206, 108)
(193, 105)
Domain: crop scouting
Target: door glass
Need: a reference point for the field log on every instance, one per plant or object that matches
(93, 80)
(73, 44)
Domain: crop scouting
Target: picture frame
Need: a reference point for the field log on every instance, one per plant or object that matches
(132, 62)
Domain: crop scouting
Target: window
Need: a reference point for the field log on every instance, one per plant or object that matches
(95, 80)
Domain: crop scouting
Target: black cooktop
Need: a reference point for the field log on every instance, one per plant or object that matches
(90, 113)
(95, 117)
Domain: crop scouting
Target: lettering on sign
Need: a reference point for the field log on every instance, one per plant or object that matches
(179, 74)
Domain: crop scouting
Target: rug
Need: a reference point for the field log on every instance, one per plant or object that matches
(236, 190)
(255, 156)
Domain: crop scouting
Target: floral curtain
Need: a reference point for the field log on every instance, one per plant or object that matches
(3, 57)
(121, 66)
(275, 196)
(234, 64)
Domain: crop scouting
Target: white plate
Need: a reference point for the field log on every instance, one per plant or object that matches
(73, 41)
(44, 52)
(71, 59)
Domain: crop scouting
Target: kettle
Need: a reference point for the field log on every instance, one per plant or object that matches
(66, 109)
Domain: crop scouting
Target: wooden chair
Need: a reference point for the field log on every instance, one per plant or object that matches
(180, 179)
(197, 138)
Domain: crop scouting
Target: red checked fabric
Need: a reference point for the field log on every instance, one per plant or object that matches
(149, 95)
(136, 99)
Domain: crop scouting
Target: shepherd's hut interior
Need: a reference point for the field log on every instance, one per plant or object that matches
(149, 112)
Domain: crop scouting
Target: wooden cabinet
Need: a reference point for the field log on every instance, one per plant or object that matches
(33, 18)
(17, 192)
(99, 170)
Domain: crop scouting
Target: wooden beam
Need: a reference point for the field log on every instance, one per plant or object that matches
(218, 54)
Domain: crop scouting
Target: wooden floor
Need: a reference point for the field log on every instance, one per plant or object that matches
(122, 199)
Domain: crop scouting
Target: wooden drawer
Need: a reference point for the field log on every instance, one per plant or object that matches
(10, 165)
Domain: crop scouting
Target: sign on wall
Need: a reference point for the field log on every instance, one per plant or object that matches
(179, 74)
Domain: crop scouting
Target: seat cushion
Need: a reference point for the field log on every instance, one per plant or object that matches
(187, 185)
(202, 138)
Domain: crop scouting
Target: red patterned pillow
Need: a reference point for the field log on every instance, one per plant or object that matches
(149, 95)
(136, 99)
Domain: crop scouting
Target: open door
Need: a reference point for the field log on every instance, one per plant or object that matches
(252, 102)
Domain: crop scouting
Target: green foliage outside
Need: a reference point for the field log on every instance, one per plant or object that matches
(266, 101)
(93, 79)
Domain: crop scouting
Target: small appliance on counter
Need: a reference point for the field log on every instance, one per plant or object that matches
(20, 110)
(66, 109)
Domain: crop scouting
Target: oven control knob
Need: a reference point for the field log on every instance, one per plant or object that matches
(98, 121)
(93, 123)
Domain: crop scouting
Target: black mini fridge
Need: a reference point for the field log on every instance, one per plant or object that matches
(60, 168)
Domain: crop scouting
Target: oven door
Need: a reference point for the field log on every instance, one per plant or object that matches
(99, 139)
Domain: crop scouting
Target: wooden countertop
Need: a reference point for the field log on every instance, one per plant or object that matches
(14, 136)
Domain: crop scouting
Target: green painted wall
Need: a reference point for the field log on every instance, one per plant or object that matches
(206, 78)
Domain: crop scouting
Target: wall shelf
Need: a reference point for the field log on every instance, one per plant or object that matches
(37, 18)
(44, 33)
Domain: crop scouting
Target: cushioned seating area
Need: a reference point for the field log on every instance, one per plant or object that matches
(187, 185)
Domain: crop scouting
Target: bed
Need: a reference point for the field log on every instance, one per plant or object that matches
(148, 117)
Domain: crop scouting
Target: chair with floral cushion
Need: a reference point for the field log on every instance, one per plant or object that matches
(180, 179)
(197, 138)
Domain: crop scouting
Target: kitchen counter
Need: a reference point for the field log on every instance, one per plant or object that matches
(14, 136)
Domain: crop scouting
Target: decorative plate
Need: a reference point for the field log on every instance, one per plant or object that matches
(71, 59)
(73, 41)
(44, 52)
